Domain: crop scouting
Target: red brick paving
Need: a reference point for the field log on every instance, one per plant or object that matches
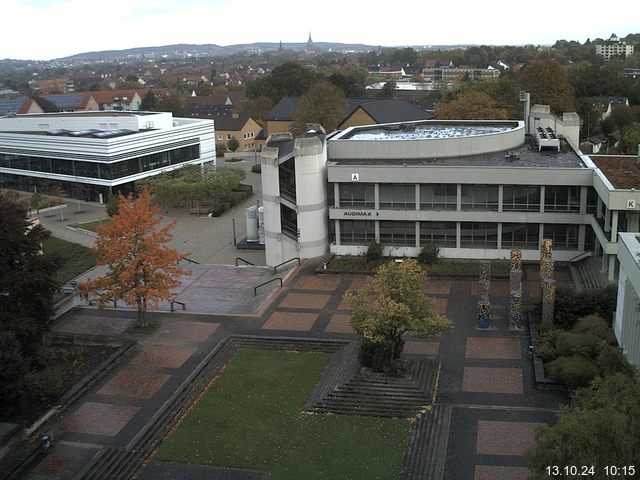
(305, 300)
(438, 286)
(134, 384)
(421, 347)
(505, 438)
(339, 323)
(498, 288)
(492, 472)
(99, 418)
(183, 331)
(162, 356)
(318, 283)
(94, 324)
(507, 348)
(440, 305)
(54, 464)
(290, 321)
(357, 283)
(492, 380)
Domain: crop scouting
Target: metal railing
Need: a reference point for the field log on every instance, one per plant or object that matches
(184, 307)
(189, 260)
(247, 262)
(255, 289)
(297, 259)
(579, 257)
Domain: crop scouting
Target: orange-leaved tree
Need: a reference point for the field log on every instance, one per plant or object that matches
(142, 269)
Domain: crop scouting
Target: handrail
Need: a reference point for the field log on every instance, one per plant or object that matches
(579, 257)
(275, 269)
(189, 260)
(184, 307)
(245, 261)
(255, 289)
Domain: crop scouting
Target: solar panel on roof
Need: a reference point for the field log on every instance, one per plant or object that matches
(11, 105)
(65, 101)
(113, 133)
(58, 131)
(82, 133)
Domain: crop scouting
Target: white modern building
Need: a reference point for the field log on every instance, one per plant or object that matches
(476, 189)
(613, 47)
(626, 325)
(92, 155)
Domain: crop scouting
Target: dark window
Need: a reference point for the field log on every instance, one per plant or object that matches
(562, 199)
(478, 235)
(357, 232)
(522, 235)
(359, 195)
(400, 196)
(565, 237)
(398, 233)
(439, 197)
(479, 197)
(520, 198)
(442, 234)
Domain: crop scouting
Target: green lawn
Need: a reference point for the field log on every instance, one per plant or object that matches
(91, 226)
(77, 258)
(252, 418)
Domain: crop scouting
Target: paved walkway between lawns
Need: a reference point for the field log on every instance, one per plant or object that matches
(486, 376)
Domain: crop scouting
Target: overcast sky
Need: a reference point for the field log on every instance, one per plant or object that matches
(46, 29)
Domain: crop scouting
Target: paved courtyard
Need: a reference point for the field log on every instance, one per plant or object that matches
(486, 376)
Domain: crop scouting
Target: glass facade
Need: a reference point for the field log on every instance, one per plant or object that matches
(520, 235)
(439, 197)
(520, 198)
(101, 170)
(479, 197)
(561, 199)
(354, 232)
(478, 235)
(400, 233)
(357, 195)
(442, 234)
(565, 237)
(398, 196)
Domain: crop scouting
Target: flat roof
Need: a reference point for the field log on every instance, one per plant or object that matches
(90, 113)
(622, 171)
(527, 155)
(421, 130)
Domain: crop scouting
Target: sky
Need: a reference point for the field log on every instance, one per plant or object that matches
(47, 29)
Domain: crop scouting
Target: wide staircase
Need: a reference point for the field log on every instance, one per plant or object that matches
(587, 275)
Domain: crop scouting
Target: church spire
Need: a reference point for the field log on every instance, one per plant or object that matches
(309, 43)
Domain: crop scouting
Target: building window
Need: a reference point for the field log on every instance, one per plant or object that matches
(357, 195)
(229, 137)
(478, 235)
(520, 235)
(439, 197)
(479, 197)
(520, 198)
(220, 137)
(356, 232)
(442, 234)
(398, 233)
(398, 196)
(565, 237)
(561, 199)
(592, 200)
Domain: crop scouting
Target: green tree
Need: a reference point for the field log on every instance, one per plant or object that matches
(15, 367)
(323, 104)
(548, 83)
(630, 141)
(473, 105)
(149, 101)
(352, 80)
(47, 106)
(233, 144)
(388, 89)
(173, 103)
(392, 304)
(604, 430)
(257, 108)
(288, 79)
(27, 285)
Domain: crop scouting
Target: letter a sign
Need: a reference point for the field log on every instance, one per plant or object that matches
(355, 177)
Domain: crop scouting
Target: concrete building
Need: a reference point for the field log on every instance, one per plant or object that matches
(476, 189)
(613, 47)
(626, 325)
(92, 155)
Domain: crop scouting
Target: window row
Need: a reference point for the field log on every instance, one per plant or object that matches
(444, 234)
(472, 197)
(106, 171)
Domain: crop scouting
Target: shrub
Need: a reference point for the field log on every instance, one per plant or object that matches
(585, 344)
(14, 368)
(375, 251)
(594, 325)
(546, 348)
(429, 254)
(113, 206)
(45, 384)
(256, 168)
(575, 371)
(611, 359)
(221, 148)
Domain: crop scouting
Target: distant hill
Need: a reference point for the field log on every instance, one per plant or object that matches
(191, 50)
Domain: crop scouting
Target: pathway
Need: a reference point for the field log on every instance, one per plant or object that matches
(486, 378)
